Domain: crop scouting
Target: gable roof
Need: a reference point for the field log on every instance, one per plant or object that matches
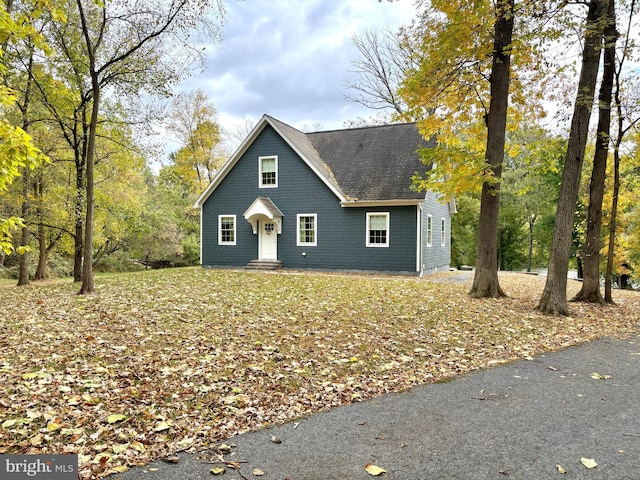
(369, 164)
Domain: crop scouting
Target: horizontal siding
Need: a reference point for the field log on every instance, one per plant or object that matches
(435, 258)
(341, 232)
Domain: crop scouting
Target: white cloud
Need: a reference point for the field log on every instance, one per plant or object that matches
(290, 58)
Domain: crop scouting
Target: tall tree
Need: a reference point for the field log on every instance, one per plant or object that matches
(385, 60)
(193, 121)
(590, 290)
(622, 130)
(554, 296)
(485, 280)
(130, 47)
(16, 147)
(465, 51)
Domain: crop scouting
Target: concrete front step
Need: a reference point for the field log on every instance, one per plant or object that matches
(264, 265)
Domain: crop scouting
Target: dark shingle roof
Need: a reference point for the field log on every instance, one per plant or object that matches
(373, 163)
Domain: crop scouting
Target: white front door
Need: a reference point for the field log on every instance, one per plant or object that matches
(268, 240)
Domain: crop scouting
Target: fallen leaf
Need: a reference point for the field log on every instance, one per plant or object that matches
(275, 439)
(223, 448)
(151, 349)
(589, 462)
(116, 417)
(9, 423)
(597, 376)
(257, 472)
(504, 472)
(137, 446)
(374, 470)
(217, 470)
(560, 469)
(162, 426)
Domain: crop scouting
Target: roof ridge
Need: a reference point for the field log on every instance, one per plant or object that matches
(366, 127)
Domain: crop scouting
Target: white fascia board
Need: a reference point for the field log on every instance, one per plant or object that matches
(309, 164)
(233, 159)
(381, 203)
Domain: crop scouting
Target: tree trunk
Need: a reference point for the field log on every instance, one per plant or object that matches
(87, 261)
(79, 221)
(43, 254)
(531, 222)
(23, 269)
(590, 291)
(608, 278)
(554, 295)
(485, 280)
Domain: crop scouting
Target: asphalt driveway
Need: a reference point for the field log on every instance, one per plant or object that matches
(516, 421)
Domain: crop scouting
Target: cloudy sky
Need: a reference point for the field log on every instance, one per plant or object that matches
(290, 59)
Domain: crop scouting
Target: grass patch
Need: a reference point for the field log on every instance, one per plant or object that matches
(167, 360)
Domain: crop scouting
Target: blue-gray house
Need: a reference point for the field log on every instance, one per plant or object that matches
(334, 200)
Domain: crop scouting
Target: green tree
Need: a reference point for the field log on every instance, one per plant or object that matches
(590, 290)
(17, 150)
(125, 49)
(194, 124)
(462, 45)
(626, 118)
(554, 295)
(530, 188)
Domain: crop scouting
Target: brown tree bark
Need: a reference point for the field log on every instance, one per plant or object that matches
(608, 277)
(590, 290)
(485, 279)
(23, 269)
(554, 295)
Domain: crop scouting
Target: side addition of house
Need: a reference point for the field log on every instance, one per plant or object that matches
(334, 200)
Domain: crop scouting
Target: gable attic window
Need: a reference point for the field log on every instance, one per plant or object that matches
(268, 172)
(226, 230)
(378, 229)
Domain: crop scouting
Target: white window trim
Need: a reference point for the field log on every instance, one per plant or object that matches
(443, 230)
(429, 230)
(260, 184)
(300, 243)
(375, 245)
(220, 241)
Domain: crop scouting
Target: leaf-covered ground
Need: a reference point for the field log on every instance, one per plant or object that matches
(161, 361)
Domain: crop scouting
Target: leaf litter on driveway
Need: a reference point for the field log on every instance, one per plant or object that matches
(164, 361)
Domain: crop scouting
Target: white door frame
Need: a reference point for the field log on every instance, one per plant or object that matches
(267, 242)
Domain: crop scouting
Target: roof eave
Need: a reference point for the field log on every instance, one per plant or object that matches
(295, 148)
(265, 120)
(381, 203)
(233, 159)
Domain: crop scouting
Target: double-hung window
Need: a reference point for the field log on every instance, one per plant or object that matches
(429, 230)
(268, 172)
(307, 229)
(378, 229)
(226, 230)
(443, 237)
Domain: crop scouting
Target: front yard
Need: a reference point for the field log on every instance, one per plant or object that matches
(161, 361)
